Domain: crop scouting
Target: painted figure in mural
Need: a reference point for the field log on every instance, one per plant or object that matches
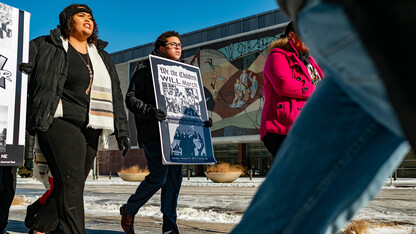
(244, 84)
(237, 94)
(287, 85)
(215, 74)
(68, 70)
(254, 86)
(356, 128)
(140, 99)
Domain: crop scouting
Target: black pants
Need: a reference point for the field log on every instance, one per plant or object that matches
(7, 191)
(272, 141)
(69, 150)
(165, 177)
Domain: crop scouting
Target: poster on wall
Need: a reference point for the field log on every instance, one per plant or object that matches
(179, 93)
(14, 49)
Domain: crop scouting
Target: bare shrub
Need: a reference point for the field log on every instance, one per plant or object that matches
(226, 167)
(363, 226)
(134, 169)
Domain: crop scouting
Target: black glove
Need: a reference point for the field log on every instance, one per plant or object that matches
(208, 123)
(29, 164)
(26, 67)
(124, 143)
(158, 114)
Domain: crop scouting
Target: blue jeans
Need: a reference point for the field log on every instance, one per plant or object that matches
(167, 177)
(342, 147)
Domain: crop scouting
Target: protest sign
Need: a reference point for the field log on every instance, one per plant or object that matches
(179, 93)
(14, 48)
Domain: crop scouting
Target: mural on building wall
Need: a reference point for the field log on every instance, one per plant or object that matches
(232, 74)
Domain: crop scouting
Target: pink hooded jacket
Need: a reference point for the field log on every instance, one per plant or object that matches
(287, 85)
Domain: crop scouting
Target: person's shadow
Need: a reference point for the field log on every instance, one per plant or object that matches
(16, 226)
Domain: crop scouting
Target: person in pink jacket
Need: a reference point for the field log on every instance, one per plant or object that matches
(290, 75)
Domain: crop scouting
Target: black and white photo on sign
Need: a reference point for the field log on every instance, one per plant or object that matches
(179, 99)
(180, 89)
(179, 93)
(6, 21)
(187, 140)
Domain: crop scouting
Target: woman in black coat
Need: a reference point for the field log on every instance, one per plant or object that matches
(74, 97)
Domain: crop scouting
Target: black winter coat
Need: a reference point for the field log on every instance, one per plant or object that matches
(48, 69)
(140, 99)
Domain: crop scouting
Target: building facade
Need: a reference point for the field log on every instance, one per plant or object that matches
(231, 57)
(227, 54)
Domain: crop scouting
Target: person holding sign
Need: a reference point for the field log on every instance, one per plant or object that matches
(74, 97)
(140, 99)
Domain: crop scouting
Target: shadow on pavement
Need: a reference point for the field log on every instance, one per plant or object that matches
(16, 226)
(90, 231)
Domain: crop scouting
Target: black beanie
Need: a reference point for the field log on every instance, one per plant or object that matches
(289, 28)
(65, 14)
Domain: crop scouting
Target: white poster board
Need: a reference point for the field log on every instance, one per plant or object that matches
(14, 49)
(180, 94)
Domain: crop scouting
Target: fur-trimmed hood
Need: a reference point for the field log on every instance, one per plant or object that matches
(282, 43)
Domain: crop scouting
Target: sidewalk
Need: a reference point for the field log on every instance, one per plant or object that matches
(111, 225)
(203, 206)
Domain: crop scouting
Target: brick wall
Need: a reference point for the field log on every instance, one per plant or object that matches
(112, 161)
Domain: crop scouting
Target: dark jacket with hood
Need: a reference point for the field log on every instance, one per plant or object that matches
(140, 99)
(48, 69)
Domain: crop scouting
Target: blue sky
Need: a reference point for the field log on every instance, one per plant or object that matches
(125, 24)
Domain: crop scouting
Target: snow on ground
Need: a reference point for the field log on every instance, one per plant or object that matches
(192, 211)
(109, 206)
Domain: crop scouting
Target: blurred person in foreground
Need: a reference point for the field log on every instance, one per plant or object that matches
(290, 76)
(350, 136)
(74, 97)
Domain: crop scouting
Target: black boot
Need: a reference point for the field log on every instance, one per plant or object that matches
(127, 221)
(31, 212)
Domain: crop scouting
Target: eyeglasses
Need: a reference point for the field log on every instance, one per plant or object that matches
(174, 45)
